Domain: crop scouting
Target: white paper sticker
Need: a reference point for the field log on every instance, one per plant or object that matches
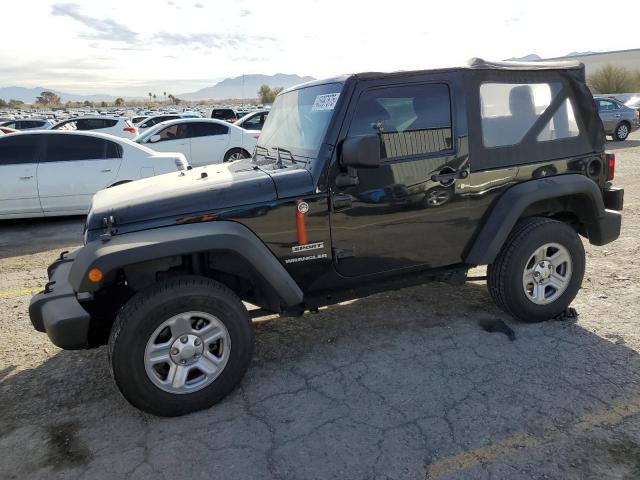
(325, 102)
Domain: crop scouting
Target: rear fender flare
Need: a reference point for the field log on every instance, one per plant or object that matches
(512, 204)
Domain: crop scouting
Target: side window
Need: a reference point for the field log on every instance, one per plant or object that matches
(173, 132)
(607, 106)
(411, 120)
(113, 150)
(509, 110)
(206, 129)
(11, 125)
(19, 149)
(254, 123)
(563, 124)
(62, 148)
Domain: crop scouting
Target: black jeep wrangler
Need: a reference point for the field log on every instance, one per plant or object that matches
(358, 184)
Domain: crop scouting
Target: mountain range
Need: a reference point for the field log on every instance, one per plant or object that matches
(245, 86)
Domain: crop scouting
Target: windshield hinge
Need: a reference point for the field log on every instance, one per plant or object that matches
(108, 224)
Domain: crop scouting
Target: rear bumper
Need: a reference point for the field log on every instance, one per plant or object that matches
(56, 310)
(607, 228)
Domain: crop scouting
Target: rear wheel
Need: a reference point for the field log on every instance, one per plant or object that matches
(180, 346)
(539, 270)
(622, 131)
(236, 154)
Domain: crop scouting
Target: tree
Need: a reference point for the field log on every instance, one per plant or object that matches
(150, 95)
(165, 96)
(119, 102)
(267, 95)
(15, 103)
(48, 98)
(87, 103)
(3, 104)
(613, 79)
(103, 104)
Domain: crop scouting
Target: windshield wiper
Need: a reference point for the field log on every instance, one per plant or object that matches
(264, 154)
(280, 150)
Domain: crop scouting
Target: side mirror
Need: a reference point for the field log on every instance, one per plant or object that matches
(155, 138)
(363, 151)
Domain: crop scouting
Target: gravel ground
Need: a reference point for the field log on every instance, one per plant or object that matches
(401, 385)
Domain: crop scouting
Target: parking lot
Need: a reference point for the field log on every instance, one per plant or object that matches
(400, 385)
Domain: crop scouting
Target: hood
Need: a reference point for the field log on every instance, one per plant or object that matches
(203, 189)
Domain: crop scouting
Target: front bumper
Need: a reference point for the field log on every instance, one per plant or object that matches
(56, 310)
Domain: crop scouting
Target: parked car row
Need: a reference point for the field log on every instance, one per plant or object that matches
(49, 173)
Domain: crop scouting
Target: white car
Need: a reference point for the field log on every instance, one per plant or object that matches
(202, 140)
(153, 120)
(253, 120)
(118, 126)
(51, 173)
(28, 124)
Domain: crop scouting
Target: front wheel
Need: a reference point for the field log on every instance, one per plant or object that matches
(539, 270)
(236, 154)
(180, 346)
(622, 132)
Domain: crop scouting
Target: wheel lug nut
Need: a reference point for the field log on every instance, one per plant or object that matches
(184, 339)
(183, 361)
(175, 351)
(197, 342)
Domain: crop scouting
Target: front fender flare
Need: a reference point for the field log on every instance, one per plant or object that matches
(137, 247)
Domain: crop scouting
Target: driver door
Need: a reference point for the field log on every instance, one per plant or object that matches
(399, 215)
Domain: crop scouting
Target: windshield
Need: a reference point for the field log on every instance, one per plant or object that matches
(299, 119)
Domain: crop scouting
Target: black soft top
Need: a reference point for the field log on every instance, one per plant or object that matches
(473, 64)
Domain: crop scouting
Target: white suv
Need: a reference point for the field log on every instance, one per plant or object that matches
(28, 124)
(118, 126)
(51, 173)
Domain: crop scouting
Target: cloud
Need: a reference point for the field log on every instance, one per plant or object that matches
(103, 29)
(198, 5)
(245, 13)
(207, 40)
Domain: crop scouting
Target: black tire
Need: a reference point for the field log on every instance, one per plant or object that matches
(140, 317)
(504, 275)
(622, 131)
(236, 151)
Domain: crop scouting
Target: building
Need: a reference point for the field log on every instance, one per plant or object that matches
(594, 60)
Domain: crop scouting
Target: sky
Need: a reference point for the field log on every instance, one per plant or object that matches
(125, 47)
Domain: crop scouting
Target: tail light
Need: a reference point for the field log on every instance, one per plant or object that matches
(133, 130)
(610, 159)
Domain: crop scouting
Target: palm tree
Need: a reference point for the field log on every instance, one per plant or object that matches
(154, 97)
(165, 97)
(150, 95)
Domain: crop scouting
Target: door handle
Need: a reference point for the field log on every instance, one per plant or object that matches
(341, 201)
(618, 116)
(447, 177)
(26, 178)
(105, 170)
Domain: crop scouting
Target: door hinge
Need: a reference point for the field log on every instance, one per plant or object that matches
(341, 253)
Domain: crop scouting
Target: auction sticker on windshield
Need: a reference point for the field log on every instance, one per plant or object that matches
(325, 102)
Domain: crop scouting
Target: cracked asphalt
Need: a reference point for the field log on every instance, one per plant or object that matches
(400, 385)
